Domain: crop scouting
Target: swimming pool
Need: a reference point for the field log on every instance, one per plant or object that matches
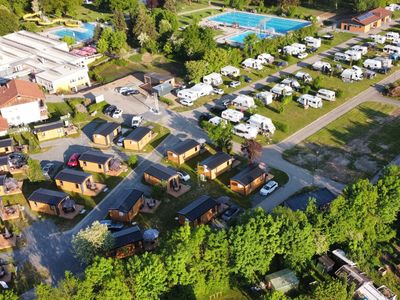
(78, 35)
(253, 21)
(239, 38)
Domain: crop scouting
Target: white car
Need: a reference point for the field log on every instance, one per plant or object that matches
(136, 121)
(183, 176)
(268, 188)
(302, 55)
(234, 84)
(218, 91)
(120, 141)
(186, 102)
(117, 113)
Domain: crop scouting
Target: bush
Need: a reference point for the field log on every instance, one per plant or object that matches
(317, 83)
(305, 89)
(132, 160)
(158, 191)
(120, 62)
(339, 93)
(286, 100)
(166, 100)
(281, 126)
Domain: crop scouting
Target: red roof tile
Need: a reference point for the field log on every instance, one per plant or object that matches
(18, 92)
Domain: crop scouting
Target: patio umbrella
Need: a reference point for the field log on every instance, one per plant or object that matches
(151, 234)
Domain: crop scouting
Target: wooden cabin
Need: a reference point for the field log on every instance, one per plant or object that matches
(215, 165)
(138, 138)
(248, 180)
(95, 161)
(49, 131)
(159, 174)
(51, 202)
(127, 242)
(105, 134)
(128, 208)
(201, 211)
(4, 164)
(183, 151)
(74, 181)
(6, 146)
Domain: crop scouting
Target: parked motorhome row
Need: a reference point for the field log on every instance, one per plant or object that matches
(310, 100)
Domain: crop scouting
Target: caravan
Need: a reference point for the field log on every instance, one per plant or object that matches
(340, 56)
(354, 55)
(232, 115)
(263, 124)
(362, 49)
(282, 90)
(195, 92)
(322, 66)
(372, 64)
(312, 42)
(392, 36)
(245, 131)
(290, 50)
(349, 75)
(326, 94)
(243, 102)
(305, 77)
(230, 71)
(265, 58)
(293, 83)
(265, 97)
(310, 100)
(380, 39)
(302, 48)
(390, 49)
(214, 79)
(252, 63)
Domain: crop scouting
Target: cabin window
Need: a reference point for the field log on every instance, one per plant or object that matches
(6, 148)
(76, 185)
(61, 182)
(196, 148)
(52, 207)
(121, 214)
(99, 166)
(85, 163)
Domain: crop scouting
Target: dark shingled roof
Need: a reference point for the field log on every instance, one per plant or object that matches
(6, 143)
(74, 176)
(127, 236)
(2, 179)
(3, 160)
(129, 201)
(184, 146)
(47, 196)
(138, 134)
(106, 128)
(95, 157)
(216, 160)
(198, 207)
(299, 202)
(248, 174)
(160, 172)
(49, 126)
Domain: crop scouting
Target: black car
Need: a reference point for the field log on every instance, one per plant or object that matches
(112, 225)
(205, 117)
(231, 212)
(108, 111)
(17, 160)
(282, 64)
(312, 50)
(247, 78)
(130, 92)
(217, 109)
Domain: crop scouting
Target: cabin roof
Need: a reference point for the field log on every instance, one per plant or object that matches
(95, 157)
(6, 143)
(49, 126)
(184, 146)
(106, 128)
(47, 196)
(216, 160)
(129, 201)
(198, 207)
(127, 236)
(161, 172)
(248, 174)
(323, 196)
(74, 176)
(138, 134)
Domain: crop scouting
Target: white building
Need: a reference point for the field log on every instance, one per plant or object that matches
(22, 102)
(196, 91)
(214, 79)
(25, 53)
(230, 71)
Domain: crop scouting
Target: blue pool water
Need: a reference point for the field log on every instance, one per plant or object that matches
(79, 36)
(252, 21)
(240, 37)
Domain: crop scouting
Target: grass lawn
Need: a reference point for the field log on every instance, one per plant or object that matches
(186, 7)
(355, 145)
(90, 13)
(188, 19)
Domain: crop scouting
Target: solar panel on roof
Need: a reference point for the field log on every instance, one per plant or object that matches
(365, 16)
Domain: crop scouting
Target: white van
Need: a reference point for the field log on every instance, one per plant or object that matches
(232, 115)
(326, 94)
(340, 56)
(392, 35)
(263, 124)
(245, 131)
(310, 100)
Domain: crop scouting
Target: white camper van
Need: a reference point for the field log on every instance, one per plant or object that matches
(326, 94)
(290, 50)
(282, 90)
(322, 66)
(390, 49)
(265, 58)
(252, 64)
(372, 64)
(214, 79)
(340, 56)
(362, 49)
(232, 115)
(230, 71)
(263, 124)
(310, 100)
(305, 77)
(293, 83)
(245, 131)
(380, 39)
(312, 42)
(302, 48)
(354, 55)
(350, 75)
(392, 35)
(243, 102)
(265, 97)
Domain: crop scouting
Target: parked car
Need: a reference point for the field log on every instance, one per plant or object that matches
(231, 213)
(17, 160)
(302, 55)
(73, 160)
(109, 110)
(312, 50)
(247, 78)
(218, 91)
(205, 117)
(183, 175)
(268, 188)
(328, 36)
(217, 109)
(186, 102)
(130, 92)
(117, 113)
(120, 141)
(234, 84)
(47, 169)
(227, 102)
(112, 225)
(282, 64)
(136, 121)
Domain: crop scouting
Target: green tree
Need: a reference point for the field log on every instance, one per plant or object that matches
(119, 21)
(250, 42)
(9, 22)
(195, 41)
(117, 41)
(333, 289)
(92, 241)
(69, 40)
(143, 24)
(221, 135)
(20, 6)
(196, 69)
(8, 295)
(216, 58)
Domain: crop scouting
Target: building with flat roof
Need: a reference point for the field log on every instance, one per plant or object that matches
(47, 60)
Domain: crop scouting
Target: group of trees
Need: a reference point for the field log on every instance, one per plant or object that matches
(195, 261)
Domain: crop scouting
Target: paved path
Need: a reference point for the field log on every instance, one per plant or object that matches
(197, 10)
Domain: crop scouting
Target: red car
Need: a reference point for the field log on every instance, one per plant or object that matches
(73, 160)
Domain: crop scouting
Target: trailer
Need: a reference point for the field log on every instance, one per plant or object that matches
(293, 83)
(263, 124)
(392, 35)
(195, 92)
(379, 39)
(214, 79)
(312, 42)
(252, 64)
(372, 64)
(362, 49)
(230, 71)
(265, 97)
(310, 100)
(290, 50)
(266, 58)
(302, 48)
(322, 66)
(326, 94)
(340, 56)
(305, 77)
(349, 75)
(390, 49)
(354, 55)
(245, 131)
(232, 115)
(243, 102)
(282, 90)
(386, 62)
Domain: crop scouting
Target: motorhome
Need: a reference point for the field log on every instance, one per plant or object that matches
(263, 124)
(354, 55)
(322, 66)
(305, 77)
(230, 71)
(232, 115)
(290, 50)
(195, 92)
(390, 49)
(293, 83)
(265, 97)
(216, 120)
(392, 35)
(252, 64)
(362, 49)
(372, 64)
(386, 62)
(380, 39)
(214, 79)
(340, 56)
(265, 58)
(302, 48)
(243, 102)
(349, 75)
(282, 90)
(312, 42)
(326, 94)
(245, 131)
(310, 100)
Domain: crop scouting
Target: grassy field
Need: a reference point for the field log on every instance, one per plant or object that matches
(188, 19)
(89, 13)
(355, 145)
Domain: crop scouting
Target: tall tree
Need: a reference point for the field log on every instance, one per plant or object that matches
(196, 69)
(9, 22)
(221, 135)
(252, 150)
(119, 21)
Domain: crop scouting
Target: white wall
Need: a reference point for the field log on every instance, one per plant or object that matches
(22, 114)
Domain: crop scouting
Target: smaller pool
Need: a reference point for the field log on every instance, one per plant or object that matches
(83, 34)
(239, 38)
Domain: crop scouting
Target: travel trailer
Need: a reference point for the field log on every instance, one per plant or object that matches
(232, 115)
(290, 50)
(243, 102)
(310, 100)
(216, 120)
(354, 55)
(196, 91)
(380, 39)
(372, 64)
(263, 124)
(230, 71)
(392, 35)
(245, 131)
(252, 64)
(312, 42)
(322, 66)
(265, 97)
(386, 62)
(340, 56)
(326, 94)
(302, 48)
(362, 49)
(214, 79)
(390, 49)
(305, 77)
(282, 90)
(349, 75)
(265, 58)
(293, 83)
